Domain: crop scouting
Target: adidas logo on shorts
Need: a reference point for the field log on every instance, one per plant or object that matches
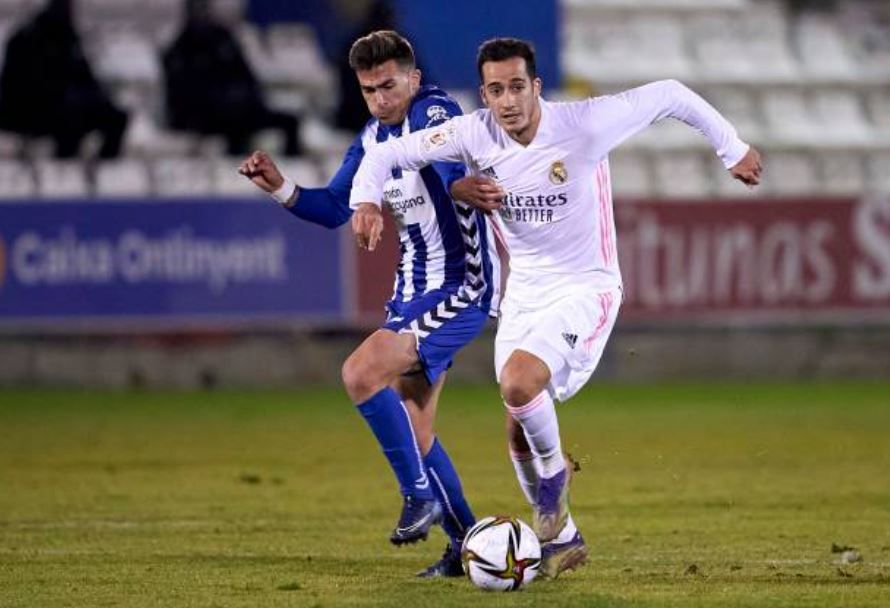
(571, 339)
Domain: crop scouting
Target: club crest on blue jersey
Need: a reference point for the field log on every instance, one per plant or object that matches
(436, 114)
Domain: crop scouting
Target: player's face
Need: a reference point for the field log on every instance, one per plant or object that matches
(388, 89)
(512, 96)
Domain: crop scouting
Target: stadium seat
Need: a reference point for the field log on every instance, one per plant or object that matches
(681, 175)
(11, 144)
(748, 47)
(181, 177)
(228, 182)
(878, 107)
(321, 139)
(61, 178)
(878, 176)
(296, 53)
(16, 180)
(626, 49)
(131, 10)
(145, 138)
(788, 118)
(250, 39)
(17, 9)
(630, 173)
(576, 6)
(821, 49)
(126, 55)
(289, 55)
(303, 171)
(790, 174)
(128, 177)
(842, 173)
(739, 106)
(841, 119)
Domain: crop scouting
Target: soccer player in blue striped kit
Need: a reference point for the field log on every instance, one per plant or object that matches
(447, 282)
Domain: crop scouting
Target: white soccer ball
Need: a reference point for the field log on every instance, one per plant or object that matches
(501, 553)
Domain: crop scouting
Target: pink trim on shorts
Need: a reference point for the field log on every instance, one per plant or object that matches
(605, 307)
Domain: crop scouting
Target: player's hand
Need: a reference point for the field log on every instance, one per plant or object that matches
(479, 191)
(262, 171)
(748, 169)
(367, 225)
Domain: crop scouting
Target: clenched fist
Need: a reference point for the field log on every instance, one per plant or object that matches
(262, 171)
(748, 169)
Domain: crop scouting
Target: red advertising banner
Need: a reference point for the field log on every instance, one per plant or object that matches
(756, 260)
(726, 261)
(375, 273)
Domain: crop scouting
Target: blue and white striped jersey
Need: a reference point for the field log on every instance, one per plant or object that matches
(443, 244)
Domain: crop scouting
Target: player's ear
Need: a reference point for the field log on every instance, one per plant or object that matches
(537, 85)
(482, 96)
(415, 77)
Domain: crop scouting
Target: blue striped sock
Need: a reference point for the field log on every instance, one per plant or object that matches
(458, 518)
(386, 415)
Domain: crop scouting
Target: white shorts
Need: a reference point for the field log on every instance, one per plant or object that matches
(569, 337)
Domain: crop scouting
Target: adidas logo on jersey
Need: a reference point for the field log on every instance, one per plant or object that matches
(571, 339)
(489, 171)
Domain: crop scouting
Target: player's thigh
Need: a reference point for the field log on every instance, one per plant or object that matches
(417, 391)
(512, 328)
(383, 356)
(569, 337)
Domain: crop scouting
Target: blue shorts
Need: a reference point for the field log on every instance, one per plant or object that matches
(442, 322)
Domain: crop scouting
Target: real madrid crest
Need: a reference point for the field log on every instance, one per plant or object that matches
(558, 173)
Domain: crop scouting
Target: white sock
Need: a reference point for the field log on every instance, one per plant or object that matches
(528, 473)
(568, 531)
(541, 428)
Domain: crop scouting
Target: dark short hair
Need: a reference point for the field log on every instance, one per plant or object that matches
(501, 49)
(379, 47)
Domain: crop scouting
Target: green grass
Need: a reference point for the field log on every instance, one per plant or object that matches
(282, 499)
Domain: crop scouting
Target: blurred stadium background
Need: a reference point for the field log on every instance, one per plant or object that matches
(163, 267)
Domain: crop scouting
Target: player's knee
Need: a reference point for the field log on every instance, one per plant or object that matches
(358, 379)
(517, 388)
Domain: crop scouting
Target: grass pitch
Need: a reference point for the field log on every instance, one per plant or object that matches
(713, 495)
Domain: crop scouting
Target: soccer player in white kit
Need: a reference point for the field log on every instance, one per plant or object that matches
(556, 223)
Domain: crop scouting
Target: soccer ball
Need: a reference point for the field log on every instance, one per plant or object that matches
(501, 553)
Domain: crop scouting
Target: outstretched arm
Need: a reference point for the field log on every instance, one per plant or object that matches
(411, 152)
(328, 206)
(615, 118)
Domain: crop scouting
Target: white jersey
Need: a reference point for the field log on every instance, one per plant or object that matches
(556, 221)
